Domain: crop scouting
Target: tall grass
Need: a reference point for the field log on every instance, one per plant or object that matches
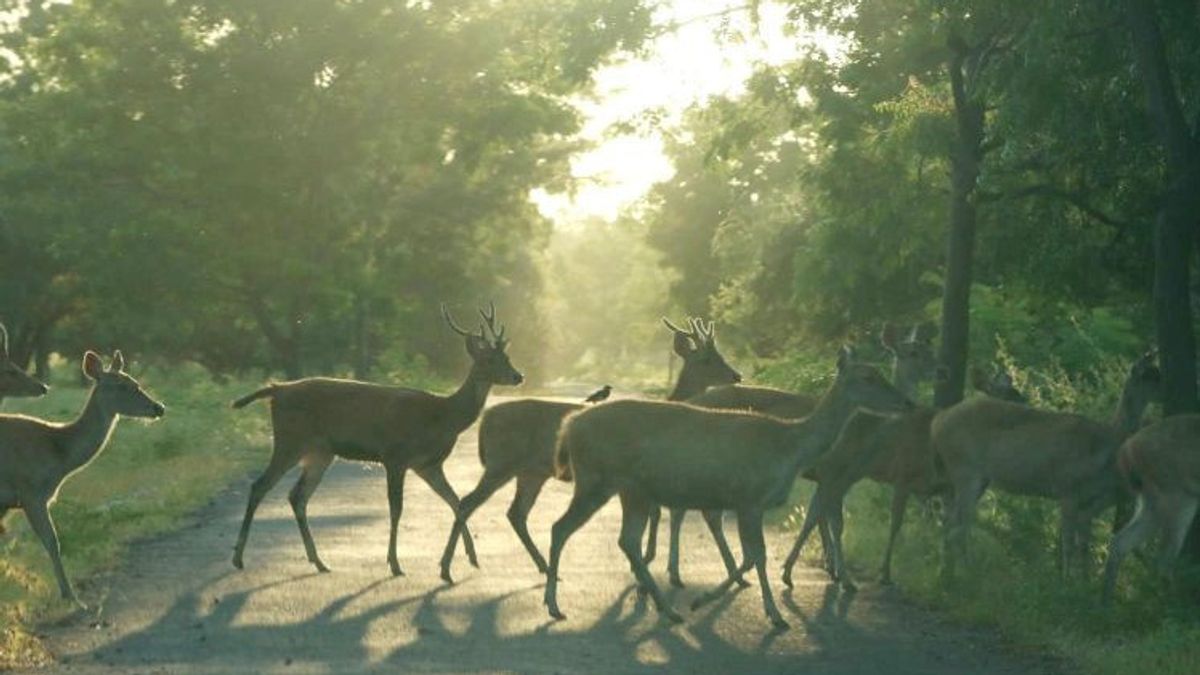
(1011, 581)
(148, 478)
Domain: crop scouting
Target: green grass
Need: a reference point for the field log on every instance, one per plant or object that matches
(147, 479)
(1011, 581)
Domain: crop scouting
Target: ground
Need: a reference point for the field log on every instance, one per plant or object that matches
(179, 606)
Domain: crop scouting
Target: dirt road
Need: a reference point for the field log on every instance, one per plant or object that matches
(180, 607)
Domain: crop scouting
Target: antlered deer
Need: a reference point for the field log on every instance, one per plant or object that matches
(1161, 463)
(984, 442)
(317, 419)
(681, 456)
(14, 381)
(913, 361)
(37, 457)
(889, 449)
(516, 439)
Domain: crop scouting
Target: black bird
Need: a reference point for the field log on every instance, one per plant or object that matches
(599, 395)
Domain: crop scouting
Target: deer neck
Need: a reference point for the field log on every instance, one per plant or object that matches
(85, 437)
(1127, 418)
(686, 387)
(467, 402)
(815, 433)
(905, 379)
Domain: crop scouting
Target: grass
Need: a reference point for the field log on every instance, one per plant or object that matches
(149, 477)
(1011, 582)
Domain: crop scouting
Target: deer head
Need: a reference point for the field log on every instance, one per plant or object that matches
(913, 354)
(486, 348)
(703, 364)
(860, 385)
(116, 392)
(15, 381)
(999, 386)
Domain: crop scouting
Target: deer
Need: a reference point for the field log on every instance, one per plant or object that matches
(913, 361)
(1020, 450)
(889, 449)
(316, 419)
(516, 440)
(666, 453)
(14, 381)
(37, 457)
(1161, 465)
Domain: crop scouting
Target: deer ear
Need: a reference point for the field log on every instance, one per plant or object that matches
(476, 345)
(91, 365)
(118, 362)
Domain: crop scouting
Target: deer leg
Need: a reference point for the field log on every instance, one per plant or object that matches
(436, 479)
(634, 513)
(314, 468)
(491, 481)
(750, 531)
(713, 520)
(899, 506)
(1178, 517)
(281, 461)
(813, 517)
(652, 537)
(584, 504)
(37, 512)
(967, 491)
(676, 525)
(836, 524)
(529, 486)
(395, 488)
(1135, 532)
(826, 548)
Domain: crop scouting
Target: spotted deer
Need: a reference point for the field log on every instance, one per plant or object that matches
(516, 439)
(37, 457)
(317, 419)
(681, 456)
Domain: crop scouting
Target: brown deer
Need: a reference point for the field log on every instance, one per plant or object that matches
(37, 457)
(889, 449)
(516, 439)
(913, 361)
(1021, 450)
(1161, 463)
(681, 456)
(316, 419)
(14, 381)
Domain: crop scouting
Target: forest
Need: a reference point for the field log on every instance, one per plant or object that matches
(235, 191)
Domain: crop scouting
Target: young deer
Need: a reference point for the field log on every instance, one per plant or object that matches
(516, 439)
(37, 457)
(317, 419)
(681, 456)
(13, 380)
(913, 361)
(889, 449)
(1161, 463)
(984, 442)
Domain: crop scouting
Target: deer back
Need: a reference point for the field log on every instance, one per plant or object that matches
(765, 400)
(1164, 456)
(522, 432)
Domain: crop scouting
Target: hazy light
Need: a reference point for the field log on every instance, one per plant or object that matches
(707, 55)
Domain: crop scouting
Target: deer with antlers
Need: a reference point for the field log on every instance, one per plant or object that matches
(317, 419)
(37, 457)
(516, 440)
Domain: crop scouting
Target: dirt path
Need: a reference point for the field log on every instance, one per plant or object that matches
(180, 607)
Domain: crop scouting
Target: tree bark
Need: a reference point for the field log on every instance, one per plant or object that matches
(965, 159)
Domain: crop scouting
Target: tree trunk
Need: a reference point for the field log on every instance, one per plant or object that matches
(286, 347)
(1175, 227)
(960, 248)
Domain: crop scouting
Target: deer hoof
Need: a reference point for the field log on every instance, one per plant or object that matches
(446, 576)
(396, 571)
(779, 623)
(321, 567)
(237, 562)
(556, 614)
(742, 583)
(676, 581)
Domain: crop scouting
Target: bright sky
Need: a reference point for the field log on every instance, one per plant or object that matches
(708, 55)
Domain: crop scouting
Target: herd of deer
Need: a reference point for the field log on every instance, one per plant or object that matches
(713, 446)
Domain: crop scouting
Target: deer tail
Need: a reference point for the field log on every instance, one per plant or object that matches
(562, 453)
(265, 392)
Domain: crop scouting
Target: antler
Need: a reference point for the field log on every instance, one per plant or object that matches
(489, 319)
(454, 326)
(679, 331)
